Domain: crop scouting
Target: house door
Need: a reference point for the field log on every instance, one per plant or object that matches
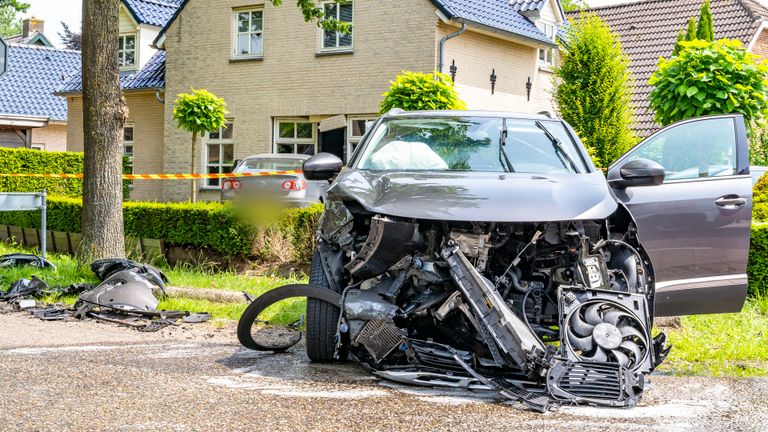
(333, 142)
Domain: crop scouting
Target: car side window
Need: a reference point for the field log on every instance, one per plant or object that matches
(697, 149)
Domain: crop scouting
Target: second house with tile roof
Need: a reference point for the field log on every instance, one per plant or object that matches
(648, 30)
(291, 87)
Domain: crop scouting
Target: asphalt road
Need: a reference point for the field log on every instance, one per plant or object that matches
(93, 376)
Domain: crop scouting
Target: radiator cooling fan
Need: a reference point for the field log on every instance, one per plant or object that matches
(605, 331)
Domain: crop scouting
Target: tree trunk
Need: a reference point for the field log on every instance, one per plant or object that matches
(193, 191)
(104, 113)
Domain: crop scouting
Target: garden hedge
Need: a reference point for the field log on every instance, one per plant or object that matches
(25, 161)
(758, 260)
(216, 226)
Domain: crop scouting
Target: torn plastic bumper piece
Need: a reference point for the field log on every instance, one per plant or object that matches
(104, 269)
(282, 293)
(19, 259)
(125, 291)
(25, 288)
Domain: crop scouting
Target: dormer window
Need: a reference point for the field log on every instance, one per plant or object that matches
(547, 55)
(127, 51)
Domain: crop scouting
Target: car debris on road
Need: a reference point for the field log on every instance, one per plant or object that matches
(125, 296)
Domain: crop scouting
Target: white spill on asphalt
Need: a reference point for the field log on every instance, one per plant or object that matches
(673, 408)
(328, 394)
(87, 348)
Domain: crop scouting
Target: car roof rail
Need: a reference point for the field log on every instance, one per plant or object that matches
(549, 114)
(395, 111)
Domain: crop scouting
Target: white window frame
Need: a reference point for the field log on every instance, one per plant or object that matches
(352, 140)
(130, 143)
(37, 146)
(236, 32)
(122, 52)
(550, 29)
(337, 48)
(223, 167)
(295, 140)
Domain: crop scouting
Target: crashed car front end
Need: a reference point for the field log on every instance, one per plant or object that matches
(539, 311)
(483, 252)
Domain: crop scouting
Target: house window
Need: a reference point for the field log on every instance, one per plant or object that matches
(357, 128)
(128, 145)
(333, 40)
(219, 153)
(295, 136)
(127, 51)
(40, 147)
(249, 34)
(547, 55)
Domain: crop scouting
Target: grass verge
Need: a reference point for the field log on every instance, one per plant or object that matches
(722, 344)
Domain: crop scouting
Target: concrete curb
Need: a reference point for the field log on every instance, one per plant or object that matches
(218, 296)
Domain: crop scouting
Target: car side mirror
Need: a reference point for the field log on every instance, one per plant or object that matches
(637, 172)
(322, 166)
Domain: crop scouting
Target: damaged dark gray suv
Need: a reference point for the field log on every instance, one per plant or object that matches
(485, 250)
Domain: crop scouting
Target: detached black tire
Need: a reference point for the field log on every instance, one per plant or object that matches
(322, 318)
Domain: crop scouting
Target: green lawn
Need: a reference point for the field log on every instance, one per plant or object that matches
(720, 345)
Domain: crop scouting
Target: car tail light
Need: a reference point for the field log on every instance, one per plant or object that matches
(230, 185)
(295, 185)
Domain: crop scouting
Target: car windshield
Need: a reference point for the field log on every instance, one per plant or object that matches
(470, 144)
(270, 164)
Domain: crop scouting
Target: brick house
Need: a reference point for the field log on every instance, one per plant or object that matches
(31, 116)
(142, 71)
(291, 87)
(648, 30)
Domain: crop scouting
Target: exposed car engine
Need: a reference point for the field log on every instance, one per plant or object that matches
(537, 311)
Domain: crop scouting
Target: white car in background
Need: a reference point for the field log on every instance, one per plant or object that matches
(292, 189)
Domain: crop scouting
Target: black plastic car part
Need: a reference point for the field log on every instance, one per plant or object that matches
(388, 242)
(252, 312)
(19, 259)
(605, 384)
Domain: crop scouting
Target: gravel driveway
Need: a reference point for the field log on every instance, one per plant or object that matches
(94, 376)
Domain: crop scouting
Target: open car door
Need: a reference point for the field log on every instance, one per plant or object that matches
(695, 226)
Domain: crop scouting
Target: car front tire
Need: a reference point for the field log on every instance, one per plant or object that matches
(322, 318)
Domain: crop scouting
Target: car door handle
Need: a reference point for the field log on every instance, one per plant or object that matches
(730, 201)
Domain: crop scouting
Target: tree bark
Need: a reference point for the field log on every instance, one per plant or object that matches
(104, 113)
(193, 190)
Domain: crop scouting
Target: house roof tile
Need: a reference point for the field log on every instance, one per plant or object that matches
(153, 12)
(150, 77)
(498, 14)
(34, 73)
(648, 30)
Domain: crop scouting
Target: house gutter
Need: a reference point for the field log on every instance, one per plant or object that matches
(445, 39)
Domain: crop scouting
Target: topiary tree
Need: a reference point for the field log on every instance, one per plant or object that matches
(416, 91)
(593, 89)
(710, 78)
(198, 112)
(705, 30)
